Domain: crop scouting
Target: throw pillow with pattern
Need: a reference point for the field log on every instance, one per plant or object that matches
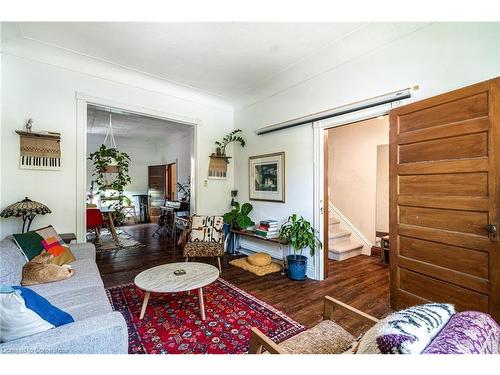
(408, 331)
(206, 229)
(53, 244)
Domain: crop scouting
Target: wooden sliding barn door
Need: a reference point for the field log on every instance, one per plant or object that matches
(445, 199)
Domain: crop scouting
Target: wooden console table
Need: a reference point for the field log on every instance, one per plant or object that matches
(284, 245)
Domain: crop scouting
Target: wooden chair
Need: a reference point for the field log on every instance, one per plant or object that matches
(327, 337)
(201, 249)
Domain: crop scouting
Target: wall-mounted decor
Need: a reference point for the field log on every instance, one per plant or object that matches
(39, 150)
(267, 177)
(217, 168)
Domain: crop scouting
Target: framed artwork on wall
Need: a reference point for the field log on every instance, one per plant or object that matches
(266, 176)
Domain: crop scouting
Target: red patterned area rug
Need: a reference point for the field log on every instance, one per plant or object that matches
(172, 323)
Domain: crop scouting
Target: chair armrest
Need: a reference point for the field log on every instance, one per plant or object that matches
(102, 334)
(332, 304)
(184, 237)
(83, 250)
(258, 341)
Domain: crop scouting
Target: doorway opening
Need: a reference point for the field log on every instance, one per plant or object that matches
(356, 191)
(159, 154)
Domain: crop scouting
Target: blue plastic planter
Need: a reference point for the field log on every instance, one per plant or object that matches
(297, 265)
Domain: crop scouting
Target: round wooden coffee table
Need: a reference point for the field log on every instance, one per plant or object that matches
(162, 279)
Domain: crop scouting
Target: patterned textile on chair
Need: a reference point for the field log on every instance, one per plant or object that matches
(206, 237)
(206, 229)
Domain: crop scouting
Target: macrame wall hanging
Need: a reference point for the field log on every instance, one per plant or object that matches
(217, 168)
(40, 150)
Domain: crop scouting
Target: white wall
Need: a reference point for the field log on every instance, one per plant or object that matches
(177, 149)
(42, 84)
(352, 171)
(439, 58)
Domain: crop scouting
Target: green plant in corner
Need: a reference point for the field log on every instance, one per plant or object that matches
(301, 234)
(102, 160)
(237, 218)
(234, 136)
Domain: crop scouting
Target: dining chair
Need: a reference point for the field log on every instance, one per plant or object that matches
(95, 222)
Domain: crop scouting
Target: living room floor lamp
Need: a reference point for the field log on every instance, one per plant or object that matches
(27, 209)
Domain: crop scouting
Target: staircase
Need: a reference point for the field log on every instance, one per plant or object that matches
(340, 244)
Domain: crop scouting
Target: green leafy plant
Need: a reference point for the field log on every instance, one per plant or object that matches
(102, 159)
(237, 218)
(234, 136)
(301, 234)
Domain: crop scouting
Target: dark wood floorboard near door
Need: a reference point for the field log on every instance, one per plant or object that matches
(362, 281)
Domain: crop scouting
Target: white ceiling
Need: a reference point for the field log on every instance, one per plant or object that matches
(133, 126)
(225, 59)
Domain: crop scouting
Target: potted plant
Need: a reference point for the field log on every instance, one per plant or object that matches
(102, 160)
(234, 136)
(301, 234)
(237, 219)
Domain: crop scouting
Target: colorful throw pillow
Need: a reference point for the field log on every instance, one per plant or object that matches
(206, 229)
(468, 332)
(407, 331)
(54, 245)
(30, 244)
(24, 312)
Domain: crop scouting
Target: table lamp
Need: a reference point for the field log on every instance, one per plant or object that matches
(27, 209)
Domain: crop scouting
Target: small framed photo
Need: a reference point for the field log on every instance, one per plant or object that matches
(267, 177)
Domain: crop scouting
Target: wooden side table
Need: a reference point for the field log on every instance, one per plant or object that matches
(68, 237)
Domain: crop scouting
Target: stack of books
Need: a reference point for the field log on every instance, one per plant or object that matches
(267, 229)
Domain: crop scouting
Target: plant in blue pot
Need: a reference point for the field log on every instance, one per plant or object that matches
(301, 234)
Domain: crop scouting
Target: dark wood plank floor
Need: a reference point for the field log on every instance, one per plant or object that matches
(362, 281)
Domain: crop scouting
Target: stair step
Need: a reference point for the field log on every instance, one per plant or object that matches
(345, 246)
(333, 220)
(339, 234)
(345, 250)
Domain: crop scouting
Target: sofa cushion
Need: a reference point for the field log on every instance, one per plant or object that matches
(468, 332)
(327, 337)
(12, 261)
(30, 243)
(86, 275)
(25, 313)
(82, 303)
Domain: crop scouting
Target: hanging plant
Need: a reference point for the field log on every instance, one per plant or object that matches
(103, 159)
(234, 136)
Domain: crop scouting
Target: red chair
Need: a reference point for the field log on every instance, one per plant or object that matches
(95, 222)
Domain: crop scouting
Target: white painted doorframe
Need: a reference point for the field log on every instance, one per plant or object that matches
(82, 101)
(319, 206)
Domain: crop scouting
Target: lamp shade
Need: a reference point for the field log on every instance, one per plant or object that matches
(26, 207)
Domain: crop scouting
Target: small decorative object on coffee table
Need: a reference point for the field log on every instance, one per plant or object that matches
(167, 279)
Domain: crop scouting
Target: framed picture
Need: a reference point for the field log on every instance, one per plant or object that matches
(267, 177)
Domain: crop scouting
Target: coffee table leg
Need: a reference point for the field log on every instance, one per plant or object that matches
(202, 305)
(144, 304)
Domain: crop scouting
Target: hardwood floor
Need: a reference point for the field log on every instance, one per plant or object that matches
(362, 281)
